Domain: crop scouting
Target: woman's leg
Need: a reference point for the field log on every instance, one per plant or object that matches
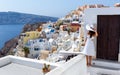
(87, 60)
(90, 60)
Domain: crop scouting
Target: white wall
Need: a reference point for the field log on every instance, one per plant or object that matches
(4, 61)
(75, 66)
(90, 16)
(25, 61)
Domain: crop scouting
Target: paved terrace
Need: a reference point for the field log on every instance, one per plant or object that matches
(17, 69)
(102, 67)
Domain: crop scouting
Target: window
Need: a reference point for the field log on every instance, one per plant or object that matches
(36, 49)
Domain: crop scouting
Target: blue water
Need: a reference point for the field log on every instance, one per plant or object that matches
(8, 32)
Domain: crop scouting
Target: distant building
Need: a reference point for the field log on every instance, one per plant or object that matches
(30, 35)
(75, 25)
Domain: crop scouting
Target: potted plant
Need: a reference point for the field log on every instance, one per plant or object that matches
(46, 68)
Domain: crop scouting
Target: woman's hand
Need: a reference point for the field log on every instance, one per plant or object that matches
(96, 34)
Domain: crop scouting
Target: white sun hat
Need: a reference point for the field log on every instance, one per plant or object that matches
(89, 27)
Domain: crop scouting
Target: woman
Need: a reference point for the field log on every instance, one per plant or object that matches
(89, 49)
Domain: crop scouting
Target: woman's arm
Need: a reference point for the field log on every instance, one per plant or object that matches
(96, 34)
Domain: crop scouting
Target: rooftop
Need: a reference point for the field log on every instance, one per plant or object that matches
(18, 69)
(13, 65)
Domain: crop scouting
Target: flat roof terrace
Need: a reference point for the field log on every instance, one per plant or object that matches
(18, 69)
(11, 65)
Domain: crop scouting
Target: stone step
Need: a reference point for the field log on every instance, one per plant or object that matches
(102, 71)
(106, 64)
(105, 67)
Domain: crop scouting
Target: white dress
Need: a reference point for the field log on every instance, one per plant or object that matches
(89, 48)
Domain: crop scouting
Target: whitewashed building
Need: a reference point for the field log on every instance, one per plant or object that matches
(107, 22)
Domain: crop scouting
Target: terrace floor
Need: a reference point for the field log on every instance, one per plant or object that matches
(104, 68)
(17, 69)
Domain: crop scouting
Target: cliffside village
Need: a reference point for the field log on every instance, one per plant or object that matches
(59, 44)
(66, 34)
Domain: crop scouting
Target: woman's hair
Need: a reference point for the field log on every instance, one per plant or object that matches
(91, 33)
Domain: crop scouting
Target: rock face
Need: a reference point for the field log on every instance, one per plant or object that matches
(23, 18)
(11, 44)
(32, 27)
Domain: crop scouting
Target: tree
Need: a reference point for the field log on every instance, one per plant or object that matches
(26, 51)
(59, 22)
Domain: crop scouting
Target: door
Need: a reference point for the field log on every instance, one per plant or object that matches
(108, 28)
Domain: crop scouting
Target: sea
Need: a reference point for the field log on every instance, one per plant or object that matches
(8, 32)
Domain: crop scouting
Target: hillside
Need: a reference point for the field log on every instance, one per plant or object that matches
(23, 18)
(12, 43)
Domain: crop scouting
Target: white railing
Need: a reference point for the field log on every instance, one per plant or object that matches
(4, 61)
(75, 66)
(25, 61)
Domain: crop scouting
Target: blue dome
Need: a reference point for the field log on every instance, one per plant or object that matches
(52, 30)
(41, 40)
(49, 26)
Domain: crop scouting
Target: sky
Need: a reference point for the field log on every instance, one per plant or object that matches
(54, 8)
